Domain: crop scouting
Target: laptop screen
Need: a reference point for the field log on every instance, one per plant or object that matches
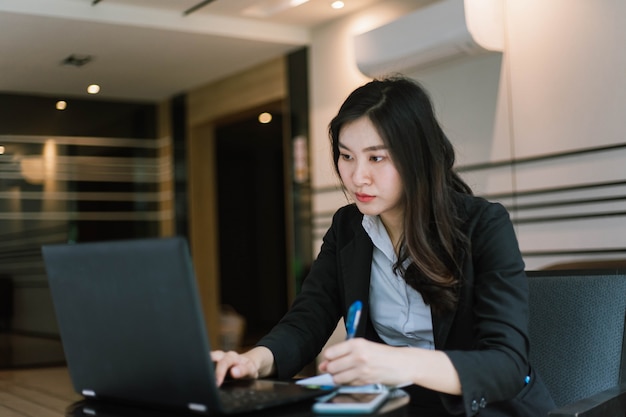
(131, 321)
(132, 329)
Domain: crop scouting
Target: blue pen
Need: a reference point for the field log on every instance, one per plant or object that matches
(354, 315)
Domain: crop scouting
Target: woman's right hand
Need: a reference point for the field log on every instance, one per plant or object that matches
(257, 362)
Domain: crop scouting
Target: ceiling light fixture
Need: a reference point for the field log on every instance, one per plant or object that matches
(61, 105)
(271, 7)
(93, 89)
(337, 5)
(265, 117)
(2, 150)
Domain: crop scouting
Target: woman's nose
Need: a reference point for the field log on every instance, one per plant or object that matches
(361, 174)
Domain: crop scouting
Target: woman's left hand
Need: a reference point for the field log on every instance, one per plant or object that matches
(359, 362)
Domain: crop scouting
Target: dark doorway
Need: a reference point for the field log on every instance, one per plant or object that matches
(251, 210)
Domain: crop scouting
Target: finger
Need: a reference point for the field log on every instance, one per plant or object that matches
(337, 351)
(240, 371)
(226, 361)
(346, 377)
(338, 365)
(220, 372)
(242, 367)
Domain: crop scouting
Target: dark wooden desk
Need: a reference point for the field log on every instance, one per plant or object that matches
(48, 392)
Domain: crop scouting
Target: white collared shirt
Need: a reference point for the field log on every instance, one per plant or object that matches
(398, 312)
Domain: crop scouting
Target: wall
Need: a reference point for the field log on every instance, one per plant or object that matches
(538, 127)
(568, 93)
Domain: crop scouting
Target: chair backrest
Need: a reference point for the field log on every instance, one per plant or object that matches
(576, 329)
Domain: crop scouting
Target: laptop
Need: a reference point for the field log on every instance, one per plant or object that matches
(133, 331)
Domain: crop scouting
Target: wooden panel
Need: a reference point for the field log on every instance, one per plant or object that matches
(262, 84)
(206, 106)
(203, 231)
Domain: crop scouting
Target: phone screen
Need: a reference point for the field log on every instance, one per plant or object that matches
(358, 398)
(351, 402)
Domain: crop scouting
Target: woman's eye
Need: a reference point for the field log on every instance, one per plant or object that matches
(377, 158)
(345, 157)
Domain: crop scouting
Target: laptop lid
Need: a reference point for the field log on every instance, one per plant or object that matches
(131, 322)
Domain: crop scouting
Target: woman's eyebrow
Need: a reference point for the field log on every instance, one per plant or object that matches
(375, 148)
(368, 149)
(342, 146)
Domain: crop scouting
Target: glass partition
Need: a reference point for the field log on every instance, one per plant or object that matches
(68, 189)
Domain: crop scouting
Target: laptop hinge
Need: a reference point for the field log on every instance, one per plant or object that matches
(197, 407)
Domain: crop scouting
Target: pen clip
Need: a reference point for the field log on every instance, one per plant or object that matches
(354, 315)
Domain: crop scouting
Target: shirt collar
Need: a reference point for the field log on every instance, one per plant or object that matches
(380, 238)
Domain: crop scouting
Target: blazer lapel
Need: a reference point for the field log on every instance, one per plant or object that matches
(441, 327)
(442, 323)
(356, 263)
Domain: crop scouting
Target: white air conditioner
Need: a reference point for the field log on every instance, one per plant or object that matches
(438, 32)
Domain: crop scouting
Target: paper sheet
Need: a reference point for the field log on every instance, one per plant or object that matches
(326, 381)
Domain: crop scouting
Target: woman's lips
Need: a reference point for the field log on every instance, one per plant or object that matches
(364, 198)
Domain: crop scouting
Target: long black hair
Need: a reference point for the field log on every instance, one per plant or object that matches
(402, 112)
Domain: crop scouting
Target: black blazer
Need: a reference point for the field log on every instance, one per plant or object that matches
(486, 337)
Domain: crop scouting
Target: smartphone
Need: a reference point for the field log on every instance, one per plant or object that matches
(351, 402)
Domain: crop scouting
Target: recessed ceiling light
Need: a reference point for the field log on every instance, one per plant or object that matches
(61, 105)
(1, 150)
(265, 117)
(93, 89)
(337, 5)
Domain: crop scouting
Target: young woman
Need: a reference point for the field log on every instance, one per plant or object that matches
(438, 270)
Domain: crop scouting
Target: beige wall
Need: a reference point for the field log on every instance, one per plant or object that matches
(559, 86)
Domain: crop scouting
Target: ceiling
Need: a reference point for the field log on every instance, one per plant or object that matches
(147, 50)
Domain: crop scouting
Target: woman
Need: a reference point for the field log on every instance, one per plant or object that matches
(439, 271)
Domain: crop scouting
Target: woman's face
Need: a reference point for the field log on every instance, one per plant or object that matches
(368, 173)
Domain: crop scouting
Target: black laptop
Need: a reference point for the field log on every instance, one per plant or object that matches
(133, 331)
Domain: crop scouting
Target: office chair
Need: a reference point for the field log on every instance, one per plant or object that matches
(576, 329)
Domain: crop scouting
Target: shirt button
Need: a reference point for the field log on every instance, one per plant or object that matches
(474, 405)
(483, 403)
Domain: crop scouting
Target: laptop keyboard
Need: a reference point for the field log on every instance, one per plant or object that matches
(248, 399)
(249, 395)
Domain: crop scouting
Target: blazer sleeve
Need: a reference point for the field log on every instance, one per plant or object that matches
(494, 308)
(304, 330)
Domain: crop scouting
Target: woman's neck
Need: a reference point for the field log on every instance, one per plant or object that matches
(395, 228)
